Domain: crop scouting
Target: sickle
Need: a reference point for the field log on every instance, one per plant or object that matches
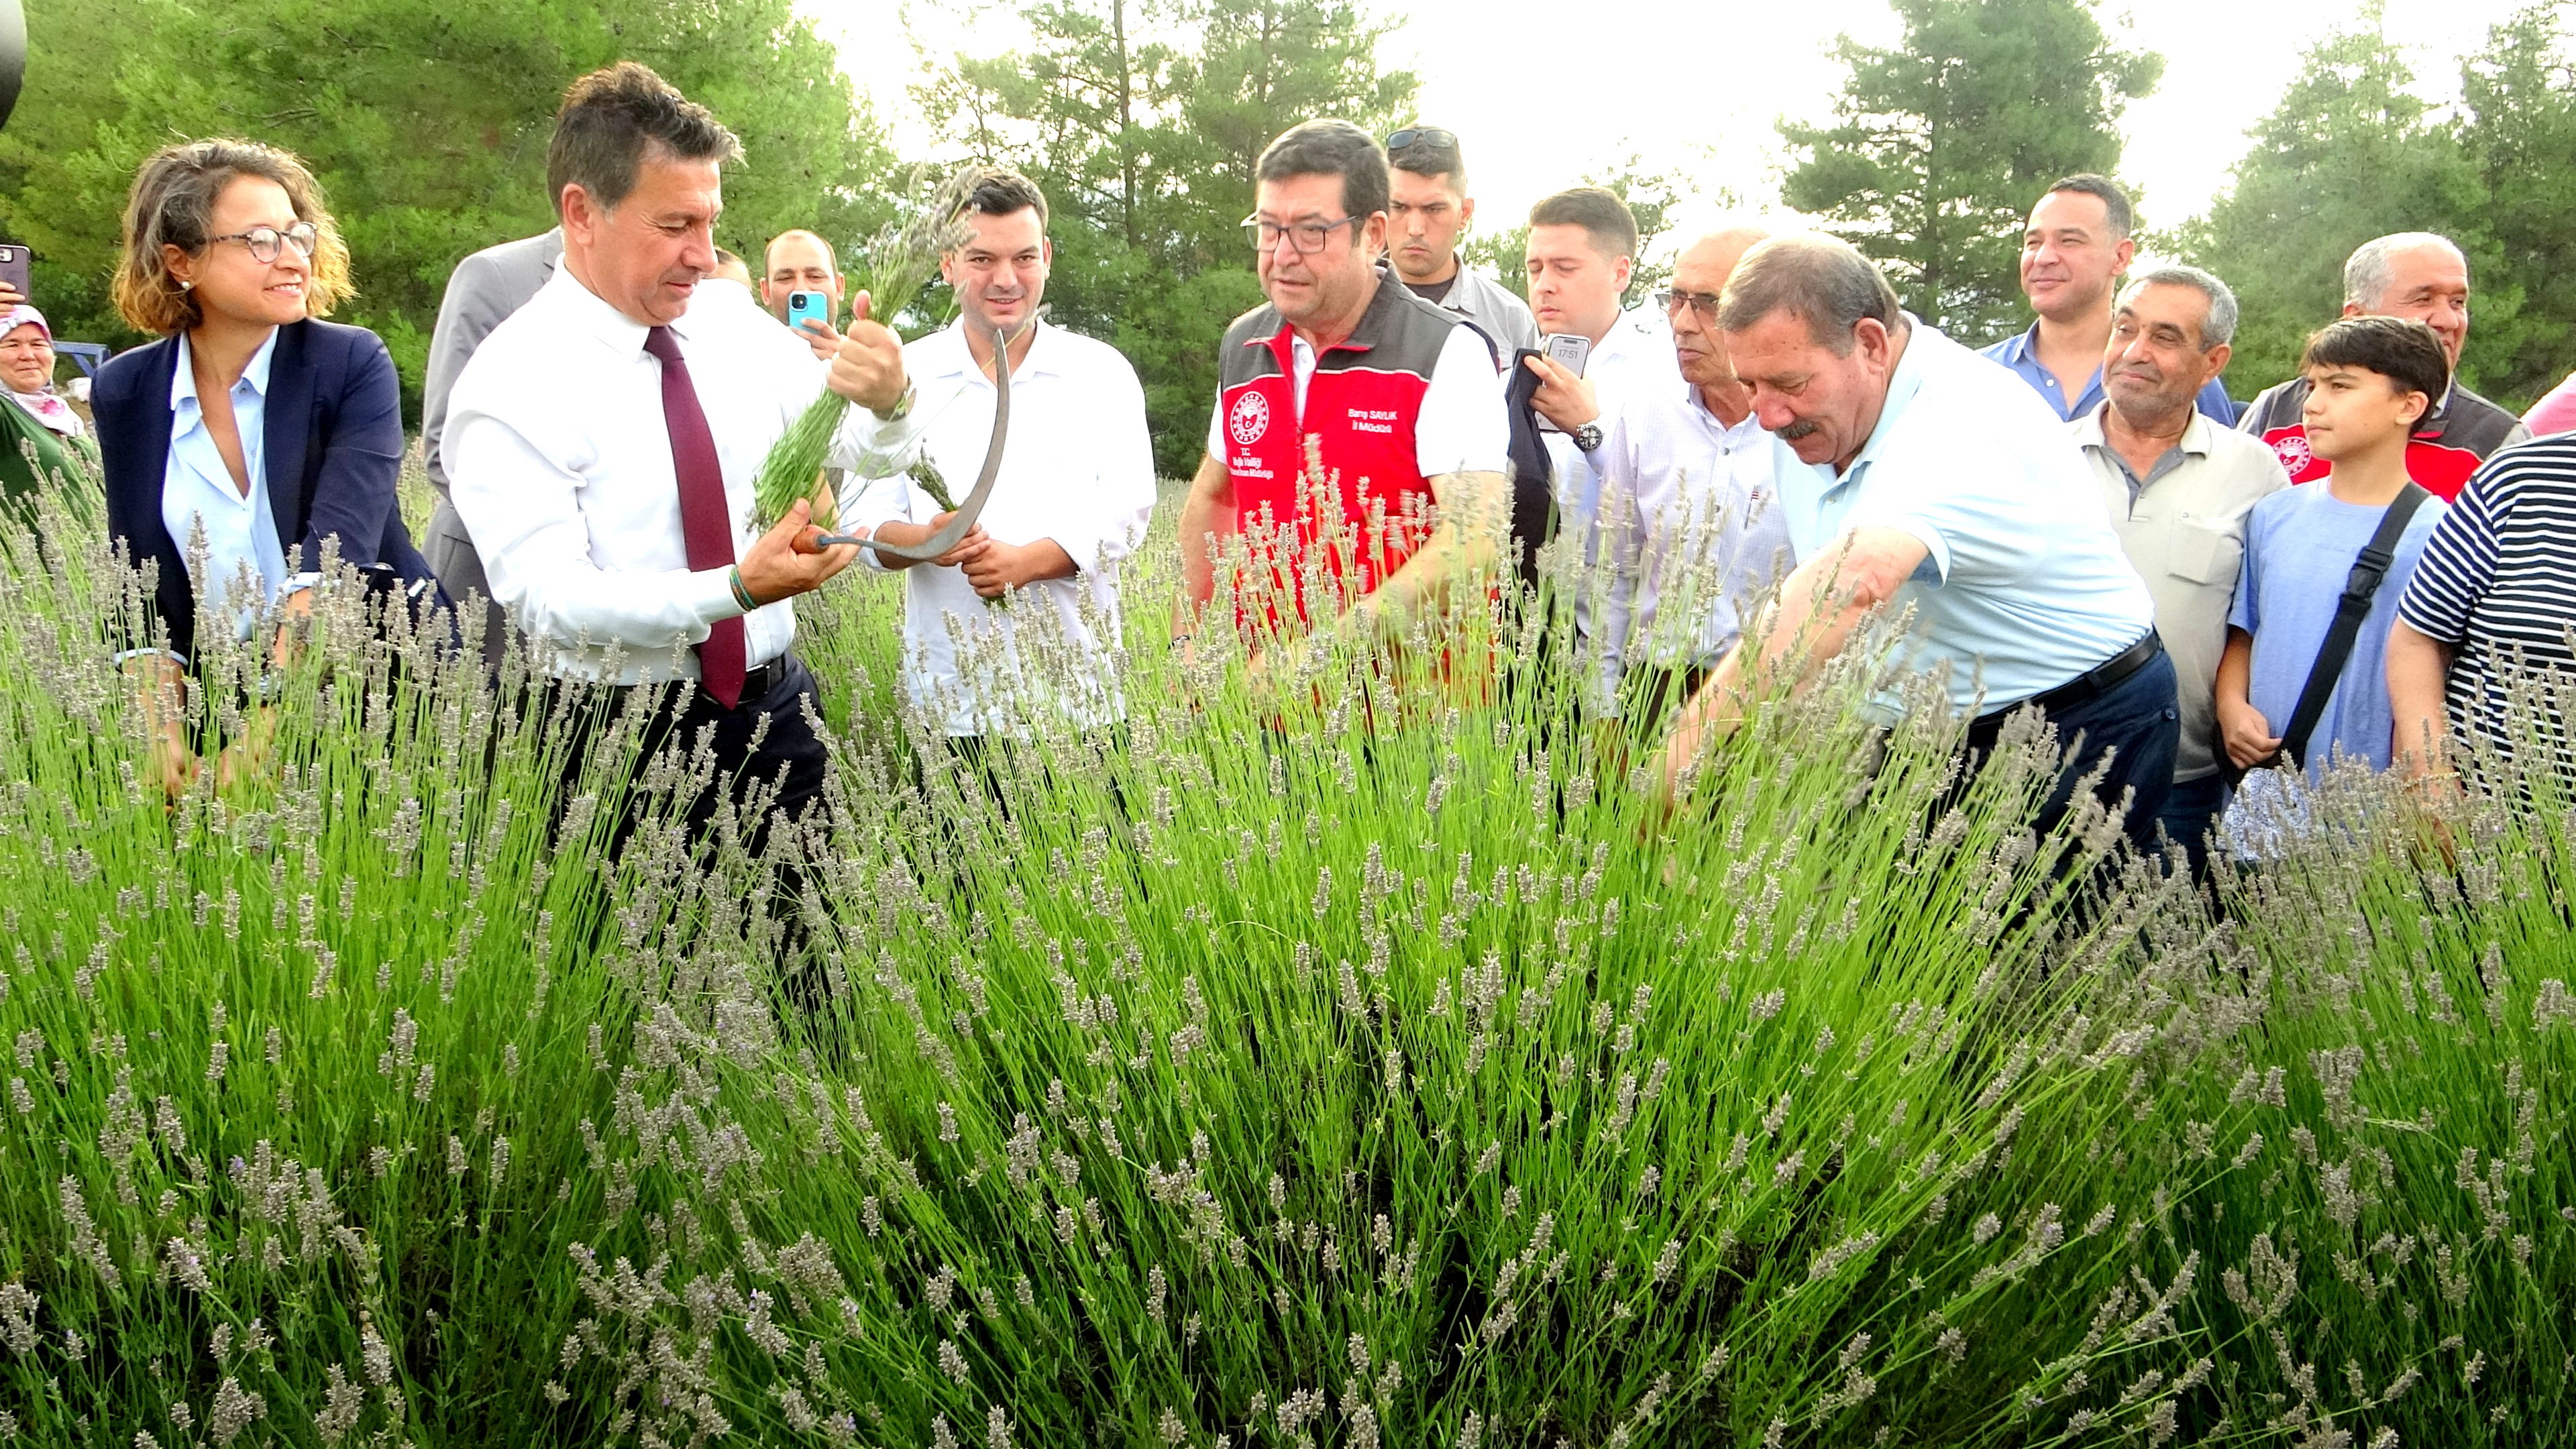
(964, 518)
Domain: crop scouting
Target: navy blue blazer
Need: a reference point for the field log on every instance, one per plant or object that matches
(334, 444)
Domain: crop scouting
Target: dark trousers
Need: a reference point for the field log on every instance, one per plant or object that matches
(2191, 812)
(788, 754)
(2136, 722)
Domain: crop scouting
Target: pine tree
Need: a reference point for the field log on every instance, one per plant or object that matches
(1941, 144)
(2350, 153)
(1143, 120)
(2518, 130)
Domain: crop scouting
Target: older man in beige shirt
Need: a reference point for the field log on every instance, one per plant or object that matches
(2179, 487)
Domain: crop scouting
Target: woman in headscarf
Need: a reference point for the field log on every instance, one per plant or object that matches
(34, 416)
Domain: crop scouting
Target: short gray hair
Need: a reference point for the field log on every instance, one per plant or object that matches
(1822, 280)
(2365, 272)
(2219, 327)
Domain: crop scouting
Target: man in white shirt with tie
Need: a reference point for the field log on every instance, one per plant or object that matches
(603, 443)
(1018, 626)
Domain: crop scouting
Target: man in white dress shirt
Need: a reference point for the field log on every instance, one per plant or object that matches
(603, 443)
(1581, 254)
(1698, 477)
(1018, 626)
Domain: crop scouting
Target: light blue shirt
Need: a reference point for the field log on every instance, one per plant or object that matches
(197, 489)
(2024, 586)
(2020, 352)
(2300, 544)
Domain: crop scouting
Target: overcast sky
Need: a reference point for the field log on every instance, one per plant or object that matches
(1695, 87)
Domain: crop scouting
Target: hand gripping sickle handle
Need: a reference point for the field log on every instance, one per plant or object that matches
(963, 520)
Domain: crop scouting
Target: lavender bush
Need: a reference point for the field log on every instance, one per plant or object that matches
(1356, 1056)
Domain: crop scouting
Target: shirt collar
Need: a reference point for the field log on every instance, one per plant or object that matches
(1902, 385)
(183, 376)
(1742, 430)
(2017, 347)
(591, 316)
(2437, 418)
(945, 353)
(1632, 334)
(2195, 441)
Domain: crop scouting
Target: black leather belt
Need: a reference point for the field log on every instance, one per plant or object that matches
(2095, 682)
(758, 681)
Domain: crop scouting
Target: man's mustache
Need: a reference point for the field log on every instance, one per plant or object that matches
(1804, 427)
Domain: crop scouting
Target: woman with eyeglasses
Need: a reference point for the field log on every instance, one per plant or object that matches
(252, 434)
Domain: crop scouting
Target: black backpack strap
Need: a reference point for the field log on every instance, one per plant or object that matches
(2368, 569)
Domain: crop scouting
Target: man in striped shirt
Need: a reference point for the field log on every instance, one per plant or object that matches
(2496, 589)
(2419, 275)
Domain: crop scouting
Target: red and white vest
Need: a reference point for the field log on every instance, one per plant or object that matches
(1357, 505)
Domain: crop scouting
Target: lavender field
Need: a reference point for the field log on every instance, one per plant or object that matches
(1357, 1059)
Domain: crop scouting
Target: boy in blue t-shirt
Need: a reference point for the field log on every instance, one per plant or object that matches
(2370, 379)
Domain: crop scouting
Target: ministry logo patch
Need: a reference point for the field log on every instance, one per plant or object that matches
(2294, 452)
(1249, 419)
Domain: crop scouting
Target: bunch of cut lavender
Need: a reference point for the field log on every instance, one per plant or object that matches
(895, 265)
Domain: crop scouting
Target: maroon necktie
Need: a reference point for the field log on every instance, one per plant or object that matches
(706, 522)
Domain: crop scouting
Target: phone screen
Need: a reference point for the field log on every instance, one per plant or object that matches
(1570, 350)
(13, 267)
(804, 307)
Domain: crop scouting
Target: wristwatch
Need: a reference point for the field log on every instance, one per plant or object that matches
(902, 406)
(1587, 437)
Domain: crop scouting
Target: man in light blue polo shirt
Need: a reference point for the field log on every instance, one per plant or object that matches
(2072, 253)
(1938, 483)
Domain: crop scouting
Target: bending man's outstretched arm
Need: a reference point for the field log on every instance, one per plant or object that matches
(1475, 514)
(1820, 604)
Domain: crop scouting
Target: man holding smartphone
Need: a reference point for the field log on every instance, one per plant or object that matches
(799, 268)
(1593, 359)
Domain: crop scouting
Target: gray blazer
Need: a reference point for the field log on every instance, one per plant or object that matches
(484, 289)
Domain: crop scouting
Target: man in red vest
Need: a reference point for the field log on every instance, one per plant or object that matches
(2422, 276)
(1404, 491)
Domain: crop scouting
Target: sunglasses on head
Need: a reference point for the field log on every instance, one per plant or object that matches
(1417, 135)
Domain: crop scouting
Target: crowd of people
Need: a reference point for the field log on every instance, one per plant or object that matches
(2205, 601)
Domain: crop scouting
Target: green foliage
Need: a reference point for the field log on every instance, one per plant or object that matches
(1143, 123)
(2352, 152)
(425, 120)
(1940, 145)
(2518, 126)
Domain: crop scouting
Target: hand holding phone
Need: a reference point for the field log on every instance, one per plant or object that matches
(13, 270)
(804, 307)
(1570, 349)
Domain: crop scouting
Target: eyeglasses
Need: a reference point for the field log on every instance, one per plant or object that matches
(265, 241)
(1308, 237)
(1416, 135)
(1703, 303)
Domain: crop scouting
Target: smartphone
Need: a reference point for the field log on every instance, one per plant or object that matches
(13, 268)
(1569, 349)
(804, 307)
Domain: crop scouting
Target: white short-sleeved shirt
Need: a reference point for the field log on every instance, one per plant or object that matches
(1461, 427)
(2025, 586)
(1077, 468)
